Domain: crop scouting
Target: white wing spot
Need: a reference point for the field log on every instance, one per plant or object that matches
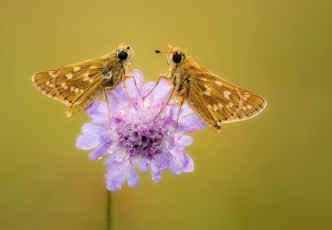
(244, 108)
(204, 79)
(77, 68)
(246, 96)
(219, 123)
(69, 76)
(81, 91)
(226, 94)
(92, 67)
(72, 88)
(63, 84)
(220, 106)
(208, 91)
(48, 83)
(50, 73)
(230, 105)
(209, 106)
(86, 77)
(215, 107)
(219, 83)
(76, 90)
(249, 106)
(52, 85)
(91, 80)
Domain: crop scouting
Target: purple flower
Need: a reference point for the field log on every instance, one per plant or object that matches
(133, 141)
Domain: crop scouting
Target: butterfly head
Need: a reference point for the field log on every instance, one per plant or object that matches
(125, 53)
(175, 55)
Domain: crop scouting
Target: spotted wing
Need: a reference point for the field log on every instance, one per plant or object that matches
(218, 101)
(75, 85)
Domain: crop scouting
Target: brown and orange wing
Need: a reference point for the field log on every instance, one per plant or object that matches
(218, 101)
(75, 85)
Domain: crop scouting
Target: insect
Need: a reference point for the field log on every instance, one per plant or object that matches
(78, 85)
(214, 99)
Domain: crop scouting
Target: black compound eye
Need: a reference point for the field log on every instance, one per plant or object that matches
(177, 57)
(122, 55)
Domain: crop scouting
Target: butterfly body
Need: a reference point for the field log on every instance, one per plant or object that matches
(78, 85)
(214, 99)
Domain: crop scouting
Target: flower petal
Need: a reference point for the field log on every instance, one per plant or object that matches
(155, 171)
(189, 166)
(175, 167)
(191, 123)
(98, 112)
(142, 163)
(132, 176)
(89, 128)
(87, 141)
(116, 175)
(185, 141)
(100, 151)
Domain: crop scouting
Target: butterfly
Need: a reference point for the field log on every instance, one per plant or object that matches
(214, 99)
(78, 85)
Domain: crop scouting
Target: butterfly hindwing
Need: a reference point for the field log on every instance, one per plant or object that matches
(218, 101)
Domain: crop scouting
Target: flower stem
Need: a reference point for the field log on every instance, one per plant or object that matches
(109, 211)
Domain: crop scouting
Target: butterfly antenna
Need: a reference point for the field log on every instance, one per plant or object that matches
(159, 51)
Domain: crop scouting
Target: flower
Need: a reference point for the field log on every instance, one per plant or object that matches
(132, 140)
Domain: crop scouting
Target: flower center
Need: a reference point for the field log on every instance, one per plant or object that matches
(142, 137)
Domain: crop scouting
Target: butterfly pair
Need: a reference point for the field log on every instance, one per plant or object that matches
(214, 99)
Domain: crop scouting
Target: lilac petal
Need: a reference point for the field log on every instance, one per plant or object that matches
(116, 175)
(132, 176)
(191, 123)
(175, 167)
(121, 155)
(162, 160)
(185, 110)
(161, 92)
(89, 128)
(148, 86)
(185, 141)
(87, 141)
(138, 78)
(142, 163)
(114, 105)
(189, 166)
(155, 171)
(110, 159)
(121, 95)
(99, 151)
(97, 112)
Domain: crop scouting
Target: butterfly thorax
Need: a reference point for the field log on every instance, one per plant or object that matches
(180, 75)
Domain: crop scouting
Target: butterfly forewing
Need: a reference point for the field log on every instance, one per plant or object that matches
(75, 85)
(218, 101)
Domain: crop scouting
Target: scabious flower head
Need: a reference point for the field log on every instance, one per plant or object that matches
(133, 141)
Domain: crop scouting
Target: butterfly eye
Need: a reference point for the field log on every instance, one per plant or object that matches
(122, 55)
(177, 57)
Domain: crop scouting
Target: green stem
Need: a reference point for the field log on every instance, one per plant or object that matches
(109, 211)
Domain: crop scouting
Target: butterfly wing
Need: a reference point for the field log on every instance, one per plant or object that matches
(218, 101)
(75, 85)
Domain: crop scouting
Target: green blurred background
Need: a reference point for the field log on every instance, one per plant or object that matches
(271, 172)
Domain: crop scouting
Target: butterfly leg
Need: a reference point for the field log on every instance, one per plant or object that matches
(131, 69)
(162, 76)
(130, 76)
(124, 86)
(169, 98)
(177, 120)
(108, 107)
